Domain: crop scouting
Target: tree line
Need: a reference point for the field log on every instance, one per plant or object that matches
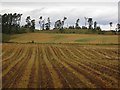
(11, 24)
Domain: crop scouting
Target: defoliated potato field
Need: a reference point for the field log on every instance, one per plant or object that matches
(59, 66)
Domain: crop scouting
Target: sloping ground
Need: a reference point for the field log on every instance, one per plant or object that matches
(64, 38)
(59, 66)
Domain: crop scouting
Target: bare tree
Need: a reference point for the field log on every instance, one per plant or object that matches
(47, 25)
(57, 24)
(110, 25)
(118, 27)
(90, 23)
(49, 22)
(95, 25)
(40, 22)
(76, 24)
(28, 21)
(62, 23)
(85, 21)
(43, 24)
(33, 25)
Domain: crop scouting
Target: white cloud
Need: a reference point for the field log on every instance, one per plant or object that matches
(59, 1)
(103, 13)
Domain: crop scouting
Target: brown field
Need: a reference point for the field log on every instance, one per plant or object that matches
(64, 38)
(59, 65)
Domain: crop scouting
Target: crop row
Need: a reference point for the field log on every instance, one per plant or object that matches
(59, 66)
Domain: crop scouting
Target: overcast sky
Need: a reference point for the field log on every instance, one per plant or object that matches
(102, 12)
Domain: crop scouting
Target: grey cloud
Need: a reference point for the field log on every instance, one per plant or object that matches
(102, 13)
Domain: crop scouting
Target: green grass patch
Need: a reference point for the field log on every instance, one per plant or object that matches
(82, 40)
(5, 37)
(58, 37)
